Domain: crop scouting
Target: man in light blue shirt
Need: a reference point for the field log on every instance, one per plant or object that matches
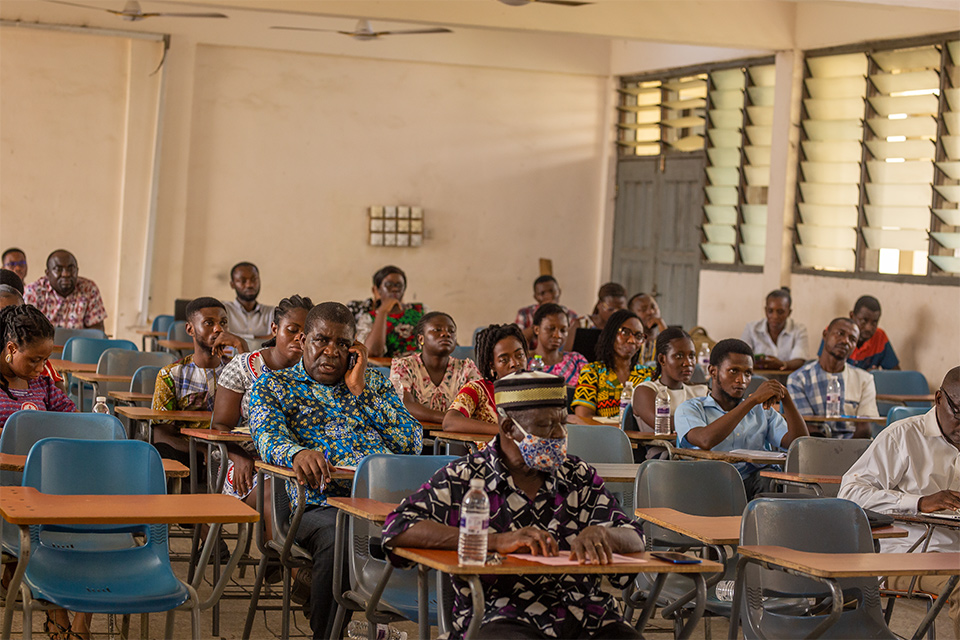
(724, 421)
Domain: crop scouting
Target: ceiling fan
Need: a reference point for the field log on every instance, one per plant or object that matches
(563, 3)
(364, 31)
(131, 11)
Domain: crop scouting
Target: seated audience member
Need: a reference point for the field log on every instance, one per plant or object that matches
(428, 381)
(724, 420)
(911, 468)
(542, 501)
(611, 298)
(647, 309)
(550, 326)
(874, 350)
(320, 413)
(676, 359)
(546, 290)
(858, 395)
(11, 289)
(190, 384)
(27, 338)
(15, 260)
(501, 350)
(68, 300)
(387, 327)
(778, 342)
(247, 318)
(618, 360)
(231, 408)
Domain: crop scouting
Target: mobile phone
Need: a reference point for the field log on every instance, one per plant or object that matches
(352, 361)
(674, 557)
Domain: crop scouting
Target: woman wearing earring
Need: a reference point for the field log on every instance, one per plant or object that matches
(501, 350)
(428, 381)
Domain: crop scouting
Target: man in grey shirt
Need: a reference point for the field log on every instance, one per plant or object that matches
(248, 318)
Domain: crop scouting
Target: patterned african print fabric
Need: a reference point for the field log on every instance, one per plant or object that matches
(41, 394)
(570, 500)
(411, 374)
(183, 386)
(82, 308)
(400, 325)
(290, 412)
(475, 400)
(568, 368)
(600, 389)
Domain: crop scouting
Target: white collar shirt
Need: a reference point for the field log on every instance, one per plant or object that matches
(248, 324)
(792, 342)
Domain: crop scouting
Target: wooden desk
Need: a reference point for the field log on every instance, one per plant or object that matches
(58, 348)
(727, 456)
(130, 397)
(152, 335)
(67, 366)
(175, 345)
(25, 506)
(213, 438)
(446, 561)
(95, 379)
(340, 473)
(854, 419)
(380, 362)
(373, 510)
(905, 397)
(617, 472)
(146, 415)
(829, 567)
(646, 436)
(809, 480)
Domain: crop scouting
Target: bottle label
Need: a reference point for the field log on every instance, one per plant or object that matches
(474, 523)
(663, 412)
(833, 397)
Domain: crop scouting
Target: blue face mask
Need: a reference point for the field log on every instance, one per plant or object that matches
(542, 454)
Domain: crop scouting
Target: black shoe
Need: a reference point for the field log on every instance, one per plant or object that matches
(300, 589)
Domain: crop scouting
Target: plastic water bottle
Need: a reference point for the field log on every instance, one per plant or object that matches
(704, 357)
(833, 397)
(626, 397)
(662, 424)
(100, 406)
(725, 590)
(537, 364)
(474, 525)
(358, 629)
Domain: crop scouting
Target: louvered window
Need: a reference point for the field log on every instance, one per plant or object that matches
(739, 132)
(662, 115)
(880, 162)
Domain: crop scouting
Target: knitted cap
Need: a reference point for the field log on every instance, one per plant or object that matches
(529, 389)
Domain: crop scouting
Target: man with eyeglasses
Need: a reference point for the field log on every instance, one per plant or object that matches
(66, 299)
(15, 260)
(913, 467)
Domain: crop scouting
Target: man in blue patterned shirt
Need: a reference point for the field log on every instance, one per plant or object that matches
(328, 410)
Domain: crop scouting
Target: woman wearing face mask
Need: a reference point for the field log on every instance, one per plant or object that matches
(386, 327)
(501, 350)
(428, 381)
(232, 405)
(618, 355)
(550, 326)
(676, 359)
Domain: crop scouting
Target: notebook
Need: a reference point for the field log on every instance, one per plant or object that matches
(947, 514)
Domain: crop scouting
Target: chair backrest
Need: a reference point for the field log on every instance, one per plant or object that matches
(599, 443)
(829, 525)
(145, 379)
(755, 383)
(697, 487)
(178, 331)
(67, 466)
(89, 350)
(824, 456)
(901, 413)
(62, 334)
(463, 353)
(628, 422)
(162, 323)
(899, 382)
(123, 362)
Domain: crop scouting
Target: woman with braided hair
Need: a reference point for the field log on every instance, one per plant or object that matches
(501, 350)
(27, 338)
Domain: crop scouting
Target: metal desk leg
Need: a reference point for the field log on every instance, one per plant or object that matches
(14, 587)
(687, 629)
(476, 590)
(423, 599)
(738, 595)
(339, 545)
(196, 528)
(651, 604)
(935, 609)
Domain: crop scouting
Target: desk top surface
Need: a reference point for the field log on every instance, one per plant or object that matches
(152, 334)
(445, 560)
(14, 462)
(373, 510)
(341, 473)
(67, 366)
(147, 413)
(101, 377)
(845, 419)
(26, 505)
(649, 435)
(811, 478)
(920, 518)
(175, 345)
(850, 565)
(728, 456)
(462, 437)
(130, 396)
(905, 397)
(617, 472)
(212, 435)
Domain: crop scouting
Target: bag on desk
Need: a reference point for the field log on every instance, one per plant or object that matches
(877, 519)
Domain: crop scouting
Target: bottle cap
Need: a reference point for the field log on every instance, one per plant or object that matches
(102, 399)
(477, 483)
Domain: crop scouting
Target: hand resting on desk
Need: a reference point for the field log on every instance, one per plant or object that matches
(945, 499)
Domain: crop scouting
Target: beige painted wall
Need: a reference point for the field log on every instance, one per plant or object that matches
(921, 320)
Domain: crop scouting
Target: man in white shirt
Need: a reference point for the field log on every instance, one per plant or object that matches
(858, 393)
(777, 341)
(914, 467)
(247, 318)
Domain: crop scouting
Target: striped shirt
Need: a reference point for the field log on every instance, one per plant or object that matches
(858, 395)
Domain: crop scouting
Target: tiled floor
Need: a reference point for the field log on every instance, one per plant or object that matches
(267, 625)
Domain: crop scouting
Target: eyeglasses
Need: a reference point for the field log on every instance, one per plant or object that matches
(627, 334)
(953, 407)
(17, 263)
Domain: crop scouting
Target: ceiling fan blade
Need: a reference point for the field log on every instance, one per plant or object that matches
(307, 29)
(410, 31)
(565, 3)
(186, 15)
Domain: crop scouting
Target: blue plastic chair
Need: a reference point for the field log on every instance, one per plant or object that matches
(464, 353)
(178, 331)
(88, 351)
(830, 525)
(897, 413)
(136, 579)
(162, 323)
(603, 444)
(900, 382)
(23, 429)
(388, 478)
(123, 362)
(145, 380)
(62, 334)
(822, 456)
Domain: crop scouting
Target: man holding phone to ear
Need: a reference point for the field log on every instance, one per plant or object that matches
(326, 411)
(724, 420)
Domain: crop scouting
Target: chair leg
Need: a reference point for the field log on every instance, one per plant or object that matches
(168, 627)
(125, 627)
(144, 626)
(27, 615)
(255, 597)
(285, 609)
(195, 621)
